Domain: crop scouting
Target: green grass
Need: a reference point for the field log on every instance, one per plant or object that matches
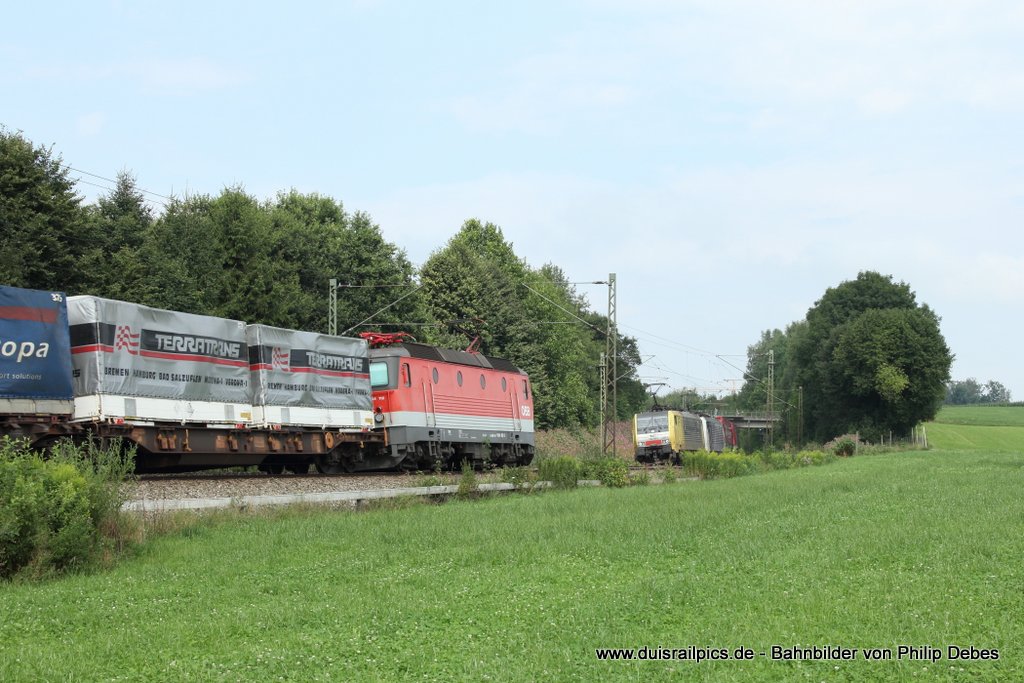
(995, 416)
(986, 428)
(975, 437)
(913, 548)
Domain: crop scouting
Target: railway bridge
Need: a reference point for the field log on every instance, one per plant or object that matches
(754, 420)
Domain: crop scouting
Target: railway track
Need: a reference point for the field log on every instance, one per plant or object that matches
(237, 485)
(264, 476)
(241, 484)
(241, 476)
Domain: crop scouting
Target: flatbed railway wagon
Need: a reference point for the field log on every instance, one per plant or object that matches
(36, 398)
(189, 391)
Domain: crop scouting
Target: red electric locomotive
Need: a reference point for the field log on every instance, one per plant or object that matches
(441, 408)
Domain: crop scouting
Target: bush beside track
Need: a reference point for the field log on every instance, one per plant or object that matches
(62, 512)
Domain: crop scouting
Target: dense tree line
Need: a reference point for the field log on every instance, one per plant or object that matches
(270, 262)
(970, 391)
(867, 358)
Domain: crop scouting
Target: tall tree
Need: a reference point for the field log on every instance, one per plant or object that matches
(753, 397)
(888, 372)
(963, 392)
(121, 221)
(855, 376)
(560, 342)
(44, 236)
(996, 392)
(754, 394)
(212, 255)
(532, 317)
(318, 240)
(470, 295)
(126, 214)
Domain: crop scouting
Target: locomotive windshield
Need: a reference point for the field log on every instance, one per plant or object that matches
(651, 422)
(378, 374)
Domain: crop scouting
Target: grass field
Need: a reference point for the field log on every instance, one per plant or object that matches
(875, 551)
(985, 428)
(992, 416)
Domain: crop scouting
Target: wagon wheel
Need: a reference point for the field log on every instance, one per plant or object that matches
(329, 463)
(333, 463)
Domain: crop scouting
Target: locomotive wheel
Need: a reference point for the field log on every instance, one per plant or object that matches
(424, 461)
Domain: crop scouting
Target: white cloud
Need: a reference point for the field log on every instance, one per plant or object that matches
(873, 57)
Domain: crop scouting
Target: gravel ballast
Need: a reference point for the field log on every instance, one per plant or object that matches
(182, 487)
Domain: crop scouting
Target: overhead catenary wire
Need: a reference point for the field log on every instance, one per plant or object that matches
(690, 349)
(687, 350)
(86, 182)
(564, 310)
(708, 383)
(576, 320)
(759, 380)
(672, 343)
(342, 285)
(376, 313)
(112, 180)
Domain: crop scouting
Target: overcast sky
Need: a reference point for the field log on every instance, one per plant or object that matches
(728, 160)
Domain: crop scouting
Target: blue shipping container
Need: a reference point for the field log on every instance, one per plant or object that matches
(35, 353)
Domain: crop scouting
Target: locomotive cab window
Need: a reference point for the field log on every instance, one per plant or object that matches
(647, 423)
(379, 374)
(406, 375)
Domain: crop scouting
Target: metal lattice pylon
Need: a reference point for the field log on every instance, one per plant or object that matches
(332, 308)
(609, 375)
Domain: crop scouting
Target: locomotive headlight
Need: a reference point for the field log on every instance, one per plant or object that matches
(378, 416)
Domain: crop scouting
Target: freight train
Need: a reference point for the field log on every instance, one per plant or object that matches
(668, 434)
(196, 392)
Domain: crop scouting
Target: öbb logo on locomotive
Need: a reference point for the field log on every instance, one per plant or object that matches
(181, 389)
